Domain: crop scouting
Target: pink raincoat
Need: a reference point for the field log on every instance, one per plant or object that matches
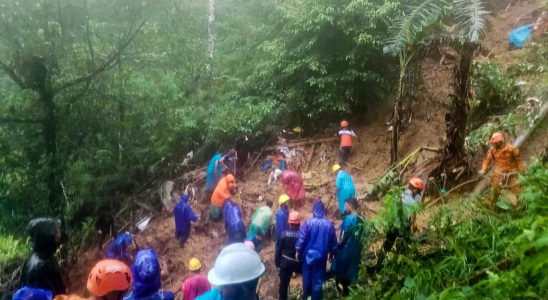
(195, 286)
(293, 184)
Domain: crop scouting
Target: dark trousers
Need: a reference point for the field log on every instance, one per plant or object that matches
(182, 238)
(345, 284)
(343, 154)
(285, 279)
(236, 237)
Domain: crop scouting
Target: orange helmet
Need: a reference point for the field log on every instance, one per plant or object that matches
(344, 124)
(417, 183)
(496, 137)
(294, 217)
(109, 275)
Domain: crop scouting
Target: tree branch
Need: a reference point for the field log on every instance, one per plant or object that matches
(12, 75)
(109, 64)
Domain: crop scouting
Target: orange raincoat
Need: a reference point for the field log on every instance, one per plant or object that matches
(222, 191)
(507, 164)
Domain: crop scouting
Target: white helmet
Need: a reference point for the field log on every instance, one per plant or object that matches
(237, 263)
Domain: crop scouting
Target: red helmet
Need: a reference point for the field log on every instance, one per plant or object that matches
(109, 275)
(344, 124)
(496, 137)
(417, 183)
(294, 217)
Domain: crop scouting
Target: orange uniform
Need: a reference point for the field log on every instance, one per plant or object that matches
(346, 137)
(507, 164)
(222, 191)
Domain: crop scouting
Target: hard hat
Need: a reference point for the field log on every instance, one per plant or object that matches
(237, 263)
(336, 167)
(496, 137)
(294, 217)
(344, 124)
(283, 199)
(109, 275)
(194, 264)
(297, 129)
(250, 244)
(417, 183)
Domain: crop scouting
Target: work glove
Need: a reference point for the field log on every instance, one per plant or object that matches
(481, 173)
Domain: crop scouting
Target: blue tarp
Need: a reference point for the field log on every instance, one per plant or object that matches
(519, 35)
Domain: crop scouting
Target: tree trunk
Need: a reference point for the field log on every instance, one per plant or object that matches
(50, 140)
(210, 34)
(396, 121)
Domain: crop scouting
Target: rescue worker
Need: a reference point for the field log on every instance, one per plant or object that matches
(104, 226)
(316, 244)
(117, 250)
(183, 216)
(285, 254)
(234, 224)
(346, 135)
(221, 193)
(345, 187)
(214, 173)
(281, 217)
(41, 269)
(228, 161)
(293, 185)
(347, 263)
(507, 166)
(147, 278)
(236, 274)
(261, 219)
(257, 239)
(196, 284)
(28, 293)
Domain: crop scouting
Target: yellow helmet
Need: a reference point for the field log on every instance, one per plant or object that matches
(336, 167)
(283, 199)
(297, 129)
(194, 264)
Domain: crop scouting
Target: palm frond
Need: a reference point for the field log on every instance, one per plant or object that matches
(412, 21)
(471, 16)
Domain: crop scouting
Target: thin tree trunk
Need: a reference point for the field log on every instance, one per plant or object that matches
(50, 139)
(210, 34)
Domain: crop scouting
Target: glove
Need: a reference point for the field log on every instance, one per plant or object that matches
(481, 173)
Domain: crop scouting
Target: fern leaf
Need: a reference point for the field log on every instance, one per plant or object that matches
(471, 16)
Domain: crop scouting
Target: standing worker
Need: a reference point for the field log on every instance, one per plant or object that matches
(317, 242)
(282, 217)
(197, 284)
(261, 219)
(221, 193)
(507, 166)
(285, 255)
(234, 224)
(228, 161)
(183, 216)
(147, 278)
(346, 142)
(236, 274)
(214, 173)
(345, 187)
(293, 185)
(349, 252)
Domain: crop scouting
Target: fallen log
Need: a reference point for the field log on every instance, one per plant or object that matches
(309, 158)
(303, 143)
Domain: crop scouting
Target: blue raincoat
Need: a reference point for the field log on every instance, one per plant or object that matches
(345, 188)
(117, 250)
(317, 238)
(214, 176)
(147, 278)
(347, 262)
(214, 294)
(28, 293)
(183, 216)
(519, 35)
(282, 216)
(233, 221)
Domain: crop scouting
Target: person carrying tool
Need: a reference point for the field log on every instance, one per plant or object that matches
(41, 269)
(281, 217)
(183, 216)
(347, 263)
(345, 187)
(261, 219)
(346, 135)
(317, 242)
(285, 254)
(228, 161)
(197, 284)
(117, 250)
(214, 173)
(221, 193)
(507, 165)
(234, 224)
(293, 185)
(147, 278)
(236, 274)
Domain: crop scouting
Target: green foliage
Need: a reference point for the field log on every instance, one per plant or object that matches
(12, 255)
(478, 140)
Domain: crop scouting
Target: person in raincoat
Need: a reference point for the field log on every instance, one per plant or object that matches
(183, 216)
(257, 239)
(293, 185)
(317, 242)
(147, 278)
(214, 173)
(234, 224)
(261, 219)
(221, 193)
(28, 293)
(347, 263)
(117, 250)
(41, 269)
(345, 187)
(228, 161)
(285, 255)
(196, 284)
(282, 217)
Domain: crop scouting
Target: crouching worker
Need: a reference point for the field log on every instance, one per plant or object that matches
(285, 254)
(221, 193)
(147, 278)
(117, 250)
(234, 224)
(197, 284)
(236, 274)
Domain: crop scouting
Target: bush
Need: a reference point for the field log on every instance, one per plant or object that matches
(12, 256)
